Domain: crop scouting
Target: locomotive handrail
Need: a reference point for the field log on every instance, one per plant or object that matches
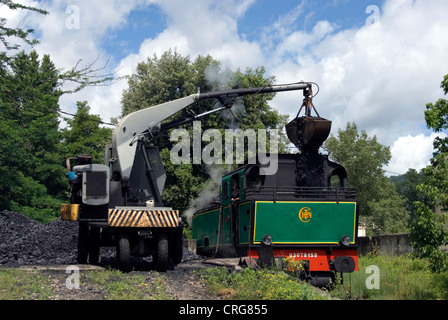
(276, 193)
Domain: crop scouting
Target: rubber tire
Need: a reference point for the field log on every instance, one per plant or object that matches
(178, 246)
(123, 252)
(83, 243)
(163, 257)
(94, 245)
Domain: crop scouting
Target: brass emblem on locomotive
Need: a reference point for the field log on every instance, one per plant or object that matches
(305, 214)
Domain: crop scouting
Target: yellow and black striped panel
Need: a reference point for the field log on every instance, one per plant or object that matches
(143, 218)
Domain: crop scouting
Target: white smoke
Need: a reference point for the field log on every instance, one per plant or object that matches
(219, 80)
(211, 191)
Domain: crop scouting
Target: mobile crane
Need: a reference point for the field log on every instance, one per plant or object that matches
(119, 203)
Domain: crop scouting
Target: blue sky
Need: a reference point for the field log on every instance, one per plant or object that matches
(378, 75)
(148, 21)
(144, 22)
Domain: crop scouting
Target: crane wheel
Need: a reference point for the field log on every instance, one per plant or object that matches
(123, 252)
(94, 245)
(162, 261)
(83, 243)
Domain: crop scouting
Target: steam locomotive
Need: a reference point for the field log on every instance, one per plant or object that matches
(303, 212)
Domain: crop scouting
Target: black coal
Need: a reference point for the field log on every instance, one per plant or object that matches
(24, 241)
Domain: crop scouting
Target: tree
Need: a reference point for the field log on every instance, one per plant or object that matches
(406, 185)
(436, 117)
(172, 76)
(33, 177)
(387, 214)
(428, 233)
(381, 208)
(78, 76)
(428, 230)
(23, 34)
(30, 146)
(363, 157)
(83, 134)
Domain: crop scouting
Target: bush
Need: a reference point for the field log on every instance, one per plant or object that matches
(43, 209)
(427, 234)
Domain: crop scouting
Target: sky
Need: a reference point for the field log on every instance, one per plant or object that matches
(377, 63)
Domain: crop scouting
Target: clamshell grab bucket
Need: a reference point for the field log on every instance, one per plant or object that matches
(308, 131)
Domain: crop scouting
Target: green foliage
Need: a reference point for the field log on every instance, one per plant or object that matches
(44, 208)
(184, 182)
(363, 158)
(436, 115)
(429, 230)
(250, 284)
(7, 33)
(388, 214)
(83, 134)
(29, 150)
(436, 185)
(406, 186)
(160, 80)
(31, 153)
(400, 278)
(382, 209)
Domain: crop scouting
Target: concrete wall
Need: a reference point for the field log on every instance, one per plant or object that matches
(387, 244)
(190, 244)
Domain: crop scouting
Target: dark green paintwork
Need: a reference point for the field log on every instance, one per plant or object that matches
(205, 225)
(244, 222)
(329, 221)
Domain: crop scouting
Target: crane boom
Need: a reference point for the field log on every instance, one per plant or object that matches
(143, 123)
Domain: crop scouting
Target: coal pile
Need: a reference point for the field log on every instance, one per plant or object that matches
(24, 241)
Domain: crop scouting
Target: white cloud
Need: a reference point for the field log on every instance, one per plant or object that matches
(379, 76)
(198, 27)
(411, 152)
(202, 27)
(73, 34)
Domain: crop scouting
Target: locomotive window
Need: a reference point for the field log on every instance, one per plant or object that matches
(225, 191)
(253, 178)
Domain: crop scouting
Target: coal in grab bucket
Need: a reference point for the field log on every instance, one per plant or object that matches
(308, 132)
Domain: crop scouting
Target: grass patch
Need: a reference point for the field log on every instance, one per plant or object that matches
(20, 285)
(128, 286)
(250, 284)
(399, 278)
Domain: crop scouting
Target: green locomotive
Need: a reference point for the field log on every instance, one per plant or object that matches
(302, 212)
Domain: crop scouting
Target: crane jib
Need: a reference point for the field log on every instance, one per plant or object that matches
(249, 91)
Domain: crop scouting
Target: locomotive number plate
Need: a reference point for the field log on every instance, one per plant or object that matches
(303, 255)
